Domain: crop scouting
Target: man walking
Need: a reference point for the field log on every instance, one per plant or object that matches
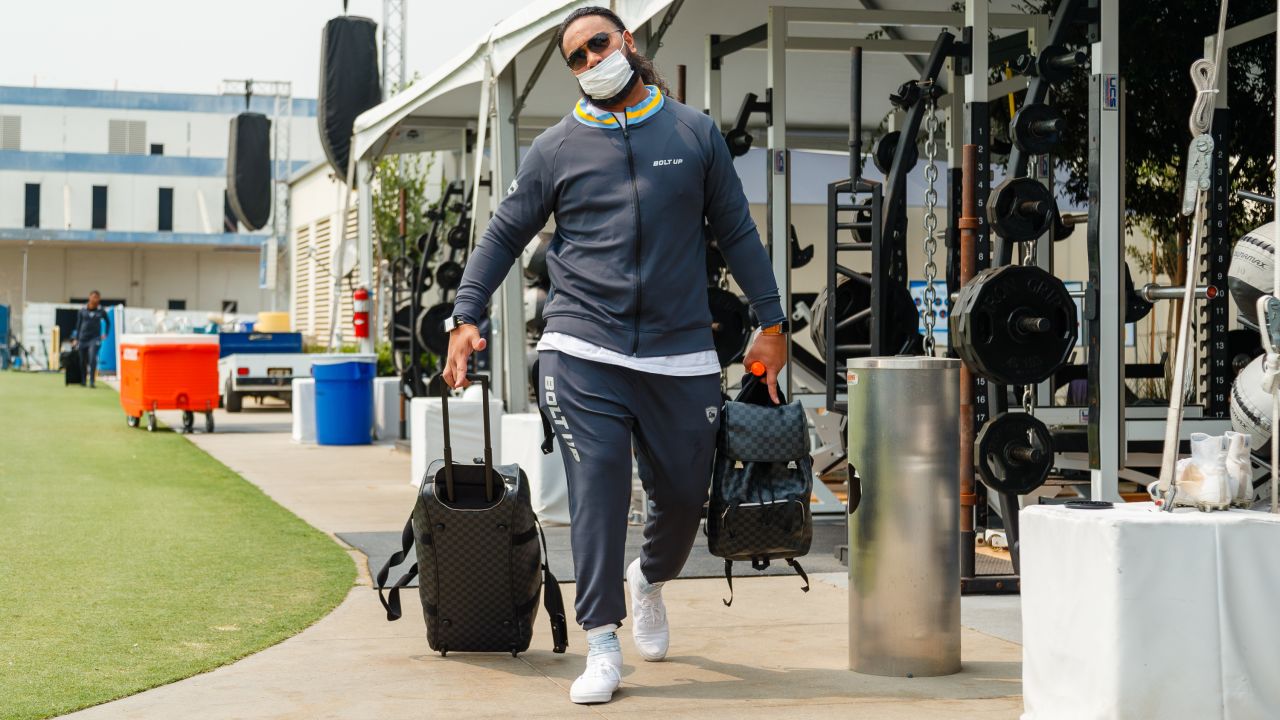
(627, 355)
(88, 336)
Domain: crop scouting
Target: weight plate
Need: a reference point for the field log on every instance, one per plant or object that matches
(1014, 325)
(886, 146)
(739, 141)
(449, 275)
(1021, 209)
(730, 326)
(1036, 128)
(799, 257)
(1135, 308)
(853, 324)
(1013, 453)
(401, 326)
(457, 238)
(1050, 65)
(431, 334)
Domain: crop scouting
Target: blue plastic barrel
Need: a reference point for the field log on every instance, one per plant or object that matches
(344, 399)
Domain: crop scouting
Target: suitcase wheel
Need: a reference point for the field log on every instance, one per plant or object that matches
(444, 652)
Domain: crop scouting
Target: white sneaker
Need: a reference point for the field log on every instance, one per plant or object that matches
(597, 683)
(649, 626)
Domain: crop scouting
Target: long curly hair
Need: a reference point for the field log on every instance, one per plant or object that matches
(641, 64)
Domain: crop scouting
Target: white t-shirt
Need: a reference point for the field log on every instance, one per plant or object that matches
(704, 362)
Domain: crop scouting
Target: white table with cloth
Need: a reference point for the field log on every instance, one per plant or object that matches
(1134, 613)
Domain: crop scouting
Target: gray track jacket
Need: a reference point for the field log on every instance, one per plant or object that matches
(627, 263)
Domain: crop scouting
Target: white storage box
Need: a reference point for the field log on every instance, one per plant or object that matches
(386, 409)
(303, 406)
(548, 486)
(1132, 613)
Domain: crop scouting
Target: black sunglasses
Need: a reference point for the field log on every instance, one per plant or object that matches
(598, 43)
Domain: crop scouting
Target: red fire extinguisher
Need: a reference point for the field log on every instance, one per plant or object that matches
(360, 314)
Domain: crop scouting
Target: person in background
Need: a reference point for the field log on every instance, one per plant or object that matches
(88, 336)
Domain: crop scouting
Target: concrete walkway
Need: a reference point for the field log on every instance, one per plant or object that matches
(776, 653)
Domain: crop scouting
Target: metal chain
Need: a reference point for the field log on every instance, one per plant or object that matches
(930, 225)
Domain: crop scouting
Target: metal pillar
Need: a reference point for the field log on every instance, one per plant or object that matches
(509, 370)
(779, 171)
(394, 26)
(364, 229)
(1104, 301)
(711, 82)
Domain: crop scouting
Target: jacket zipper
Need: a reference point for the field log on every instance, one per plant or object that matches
(635, 192)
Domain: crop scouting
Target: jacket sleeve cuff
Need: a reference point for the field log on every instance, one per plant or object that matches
(772, 315)
(469, 312)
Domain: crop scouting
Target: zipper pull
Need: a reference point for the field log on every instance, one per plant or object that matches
(626, 133)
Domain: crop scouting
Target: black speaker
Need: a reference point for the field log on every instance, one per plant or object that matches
(249, 169)
(349, 83)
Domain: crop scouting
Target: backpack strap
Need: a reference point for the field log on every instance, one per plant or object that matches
(392, 604)
(552, 600)
(548, 435)
(728, 577)
(799, 571)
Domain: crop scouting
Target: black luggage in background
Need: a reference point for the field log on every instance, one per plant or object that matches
(480, 566)
(72, 372)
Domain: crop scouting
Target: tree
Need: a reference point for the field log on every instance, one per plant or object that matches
(1159, 39)
(391, 175)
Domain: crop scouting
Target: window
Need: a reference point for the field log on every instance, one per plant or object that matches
(229, 306)
(10, 132)
(229, 222)
(157, 149)
(177, 304)
(31, 217)
(166, 210)
(99, 207)
(126, 137)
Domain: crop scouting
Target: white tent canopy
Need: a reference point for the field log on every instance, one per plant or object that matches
(818, 99)
(494, 75)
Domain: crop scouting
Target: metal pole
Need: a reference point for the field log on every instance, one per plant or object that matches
(364, 251)
(680, 82)
(855, 119)
(968, 225)
(778, 177)
(1275, 280)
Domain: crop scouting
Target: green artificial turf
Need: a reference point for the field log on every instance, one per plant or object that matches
(131, 559)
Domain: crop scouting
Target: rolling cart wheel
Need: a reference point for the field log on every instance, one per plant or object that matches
(188, 421)
(151, 421)
(131, 421)
(208, 422)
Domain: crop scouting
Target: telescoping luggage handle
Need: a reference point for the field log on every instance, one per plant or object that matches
(448, 446)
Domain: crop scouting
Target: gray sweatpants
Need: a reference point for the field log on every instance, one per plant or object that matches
(597, 410)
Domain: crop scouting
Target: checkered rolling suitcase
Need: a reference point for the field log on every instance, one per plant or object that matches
(760, 483)
(480, 567)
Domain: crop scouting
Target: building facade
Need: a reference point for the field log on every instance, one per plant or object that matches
(125, 192)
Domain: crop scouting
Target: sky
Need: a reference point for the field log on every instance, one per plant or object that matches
(190, 46)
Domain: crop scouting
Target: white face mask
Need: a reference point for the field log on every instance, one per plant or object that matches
(608, 77)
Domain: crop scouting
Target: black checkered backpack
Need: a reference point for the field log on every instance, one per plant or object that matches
(481, 570)
(761, 483)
